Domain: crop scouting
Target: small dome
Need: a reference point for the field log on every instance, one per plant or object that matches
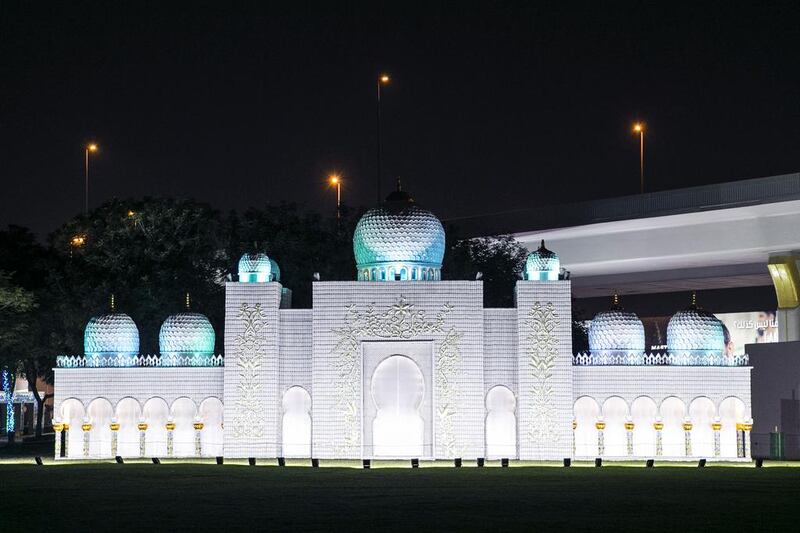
(400, 238)
(542, 264)
(186, 334)
(694, 331)
(275, 270)
(254, 268)
(616, 332)
(109, 336)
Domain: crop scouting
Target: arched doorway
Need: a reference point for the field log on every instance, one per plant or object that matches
(501, 423)
(397, 391)
(296, 426)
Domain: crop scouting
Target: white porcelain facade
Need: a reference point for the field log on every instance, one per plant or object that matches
(490, 383)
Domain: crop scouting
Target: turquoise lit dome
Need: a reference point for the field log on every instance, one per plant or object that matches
(616, 332)
(275, 270)
(186, 335)
(254, 268)
(694, 331)
(111, 339)
(399, 241)
(542, 264)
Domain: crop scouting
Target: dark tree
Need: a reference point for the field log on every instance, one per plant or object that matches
(149, 253)
(500, 260)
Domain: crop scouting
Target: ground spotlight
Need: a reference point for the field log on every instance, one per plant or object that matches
(220, 460)
(567, 462)
(366, 464)
(701, 463)
(251, 461)
(414, 463)
(119, 460)
(481, 461)
(38, 460)
(156, 461)
(457, 462)
(504, 462)
(650, 463)
(598, 462)
(281, 461)
(314, 462)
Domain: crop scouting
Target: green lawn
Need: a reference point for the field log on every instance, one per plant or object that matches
(175, 496)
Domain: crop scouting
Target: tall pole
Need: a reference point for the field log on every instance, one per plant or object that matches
(641, 159)
(378, 175)
(91, 147)
(86, 186)
(639, 128)
(338, 198)
(382, 80)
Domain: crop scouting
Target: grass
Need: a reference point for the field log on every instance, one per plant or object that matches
(176, 496)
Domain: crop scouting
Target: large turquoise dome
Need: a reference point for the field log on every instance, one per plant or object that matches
(111, 340)
(186, 335)
(255, 268)
(399, 241)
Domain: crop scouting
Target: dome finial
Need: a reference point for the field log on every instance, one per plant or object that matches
(188, 301)
(113, 304)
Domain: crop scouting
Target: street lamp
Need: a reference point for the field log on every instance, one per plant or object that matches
(383, 79)
(91, 147)
(639, 128)
(336, 180)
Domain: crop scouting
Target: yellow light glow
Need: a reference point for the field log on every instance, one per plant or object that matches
(334, 179)
(638, 127)
(78, 240)
(92, 147)
(131, 214)
(385, 78)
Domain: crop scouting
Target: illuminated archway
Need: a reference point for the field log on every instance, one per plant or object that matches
(673, 414)
(501, 423)
(587, 412)
(397, 391)
(296, 424)
(128, 414)
(156, 414)
(732, 411)
(72, 413)
(99, 413)
(615, 414)
(211, 437)
(183, 414)
(643, 415)
(701, 414)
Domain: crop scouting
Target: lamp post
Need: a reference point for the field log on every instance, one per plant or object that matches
(91, 147)
(336, 180)
(383, 79)
(639, 128)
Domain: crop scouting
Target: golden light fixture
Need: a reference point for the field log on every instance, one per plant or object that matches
(385, 78)
(638, 127)
(92, 147)
(131, 213)
(78, 240)
(334, 179)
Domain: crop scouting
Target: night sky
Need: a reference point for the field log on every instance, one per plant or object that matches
(492, 106)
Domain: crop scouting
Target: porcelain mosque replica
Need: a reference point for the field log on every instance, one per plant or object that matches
(403, 364)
